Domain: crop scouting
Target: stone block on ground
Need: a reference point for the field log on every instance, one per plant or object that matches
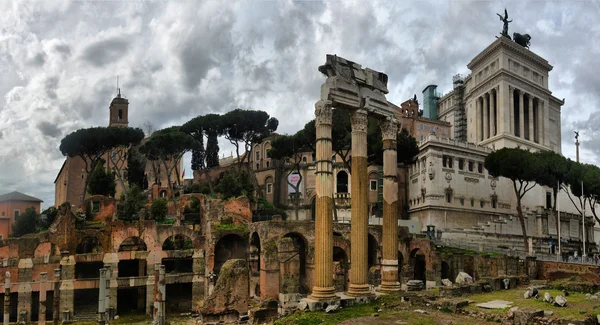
(229, 298)
(447, 282)
(463, 278)
(560, 301)
(415, 285)
(524, 316)
(527, 294)
(495, 304)
(548, 298)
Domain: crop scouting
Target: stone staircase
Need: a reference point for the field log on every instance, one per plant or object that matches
(87, 312)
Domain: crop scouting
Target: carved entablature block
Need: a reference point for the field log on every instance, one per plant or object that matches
(471, 180)
(350, 86)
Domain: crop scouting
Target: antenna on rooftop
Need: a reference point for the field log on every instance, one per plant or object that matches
(118, 89)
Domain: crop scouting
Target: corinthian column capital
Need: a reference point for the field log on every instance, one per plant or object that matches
(323, 112)
(359, 120)
(389, 128)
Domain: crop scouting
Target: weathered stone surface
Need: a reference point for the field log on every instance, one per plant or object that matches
(527, 294)
(463, 278)
(524, 316)
(415, 285)
(302, 305)
(548, 313)
(560, 301)
(230, 295)
(447, 282)
(495, 304)
(331, 308)
(548, 298)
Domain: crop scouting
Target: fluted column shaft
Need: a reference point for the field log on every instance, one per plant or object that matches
(42, 307)
(389, 279)
(486, 117)
(323, 289)
(359, 267)
(521, 116)
(531, 118)
(493, 113)
(540, 121)
(479, 105)
(511, 108)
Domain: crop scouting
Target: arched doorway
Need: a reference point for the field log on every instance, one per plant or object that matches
(88, 245)
(400, 266)
(300, 246)
(182, 262)
(373, 249)
(228, 247)
(445, 272)
(341, 182)
(417, 262)
(340, 269)
(313, 208)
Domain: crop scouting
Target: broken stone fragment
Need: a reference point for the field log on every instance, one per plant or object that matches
(560, 301)
(548, 298)
(447, 282)
(331, 308)
(463, 278)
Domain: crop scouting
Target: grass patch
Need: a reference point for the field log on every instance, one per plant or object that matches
(167, 221)
(577, 304)
(230, 226)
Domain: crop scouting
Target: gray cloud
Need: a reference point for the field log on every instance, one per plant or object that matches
(106, 51)
(49, 129)
(177, 60)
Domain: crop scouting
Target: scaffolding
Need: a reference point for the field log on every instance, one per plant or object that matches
(460, 116)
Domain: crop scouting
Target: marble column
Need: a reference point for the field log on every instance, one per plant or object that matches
(531, 118)
(389, 278)
(521, 116)
(486, 117)
(359, 267)
(511, 108)
(323, 288)
(493, 112)
(42, 309)
(479, 108)
(540, 111)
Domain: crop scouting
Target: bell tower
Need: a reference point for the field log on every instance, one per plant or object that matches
(119, 109)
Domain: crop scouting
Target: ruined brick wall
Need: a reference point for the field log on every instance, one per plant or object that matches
(557, 270)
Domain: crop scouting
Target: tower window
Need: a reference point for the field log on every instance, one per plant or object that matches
(461, 164)
(373, 185)
(480, 168)
(470, 166)
(120, 117)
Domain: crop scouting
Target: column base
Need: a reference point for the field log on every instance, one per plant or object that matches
(323, 293)
(359, 290)
(389, 287)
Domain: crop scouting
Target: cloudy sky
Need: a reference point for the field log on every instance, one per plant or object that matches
(179, 59)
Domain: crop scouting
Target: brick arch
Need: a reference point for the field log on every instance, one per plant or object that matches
(342, 243)
(187, 198)
(425, 247)
(165, 232)
(118, 236)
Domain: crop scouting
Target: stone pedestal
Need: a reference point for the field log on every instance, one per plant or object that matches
(160, 294)
(6, 298)
(323, 289)
(198, 279)
(25, 279)
(389, 281)
(67, 287)
(359, 274)
(150, 293)
(42, 309)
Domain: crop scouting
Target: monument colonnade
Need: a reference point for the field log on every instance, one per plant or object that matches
(526, 113)
(359, 285)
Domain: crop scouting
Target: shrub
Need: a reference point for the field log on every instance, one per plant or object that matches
(26, 223)
(130, 205)
(159, 209)
(235, 184)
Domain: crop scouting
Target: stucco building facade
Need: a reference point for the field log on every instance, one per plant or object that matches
(13, 205)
